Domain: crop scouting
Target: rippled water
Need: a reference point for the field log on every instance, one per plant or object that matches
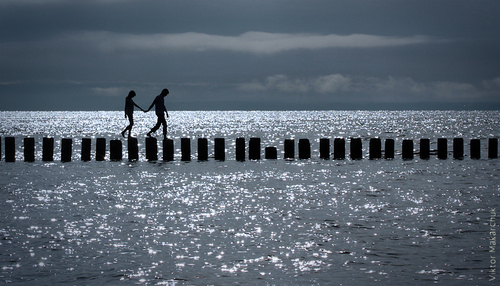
(278, 222)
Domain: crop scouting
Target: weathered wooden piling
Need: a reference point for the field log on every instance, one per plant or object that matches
(493, 148)
(442, 145)
(29, 149)
(458, 148)
(425, 149)
(132, 149)
(151, 149)
(254, 149)
(202, 149)
(100, 149)
(289, 146)
(10, 149)
(219, 149)
(115, 150)
(324, 148)
(339, 149)
(240, 149)
(168, 150)
(86, 147)
(304, 149)
(271, 153)
(356, 149)
(0, 148)
(66, 149)
(389, 149)
(475, 149)
(375, 148)
(48, 149)
(407, 153)
(186, 149)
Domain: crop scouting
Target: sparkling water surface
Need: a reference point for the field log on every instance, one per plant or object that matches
(281, 222)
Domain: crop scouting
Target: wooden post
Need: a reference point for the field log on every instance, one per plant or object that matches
(442, 148)
(475, 149)
(458, 148)
(0, 148)
(492, 148)
(304, 149)
(168, 150)
(202, 149)
(86, 147)
(10, 149)
(48, 149)
(271, 153)
(151, 149)
(115, 150)
(289, 148)
(29, 149)
(219, 149)
(389, 149)
(375, 148)
(185, 149)
(425, 149)
(66, 149)
(133, 149)
(356, 149)
(339, 149)
(100, 149)
(324, 148)
(240, 149)
(407, 149)
(254, 149)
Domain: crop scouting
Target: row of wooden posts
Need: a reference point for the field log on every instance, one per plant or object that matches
(254, 149)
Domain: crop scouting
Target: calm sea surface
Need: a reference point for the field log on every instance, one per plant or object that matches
(282, 222)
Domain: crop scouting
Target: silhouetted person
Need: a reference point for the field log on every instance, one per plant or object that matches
(129, 112)
(160, 109)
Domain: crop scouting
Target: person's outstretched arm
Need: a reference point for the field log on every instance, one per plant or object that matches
(152, 104)
(138, 106)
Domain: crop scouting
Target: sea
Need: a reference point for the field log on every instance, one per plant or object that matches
(257, 222)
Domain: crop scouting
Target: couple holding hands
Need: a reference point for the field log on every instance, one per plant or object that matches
(160, 109)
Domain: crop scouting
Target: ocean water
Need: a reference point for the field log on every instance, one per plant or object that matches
(266, 222)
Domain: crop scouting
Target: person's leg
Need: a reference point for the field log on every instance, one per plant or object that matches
(131, 124)
(158, 123)
(164, 123)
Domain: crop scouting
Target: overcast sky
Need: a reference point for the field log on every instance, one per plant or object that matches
(250, 54)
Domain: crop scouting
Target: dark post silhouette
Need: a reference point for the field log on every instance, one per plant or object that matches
(339, 149)
(356, 149)
(168, 150)
(271, 153)
(219, 149)
(151, 149)
(375, 148)
(0, 148)
(29, 149)
(493, 148)
(475, 149)
(442, 148)
(66, 149)
(458, 148)
(86, 147)
(185, 149)
(254, 149)
(115, 150)
(133, 149)
(407, 149)
(324, 148)
(304, 149)
(240, 149)
(100, 149)
(48, 149)
(389, 149)
(202, 149)
(425, 149)
(289, 148)
(10, 149)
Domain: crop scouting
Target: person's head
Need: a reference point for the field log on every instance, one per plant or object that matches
(164, 92)
(131, 94)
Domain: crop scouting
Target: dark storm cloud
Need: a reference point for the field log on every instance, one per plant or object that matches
(228, 54)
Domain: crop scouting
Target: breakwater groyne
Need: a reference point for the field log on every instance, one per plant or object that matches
(250, 149)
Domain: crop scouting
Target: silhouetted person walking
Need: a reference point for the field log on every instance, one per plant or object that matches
(129, 112)
(159, 104)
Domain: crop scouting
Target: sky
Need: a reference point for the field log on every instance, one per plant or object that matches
(250, 54)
